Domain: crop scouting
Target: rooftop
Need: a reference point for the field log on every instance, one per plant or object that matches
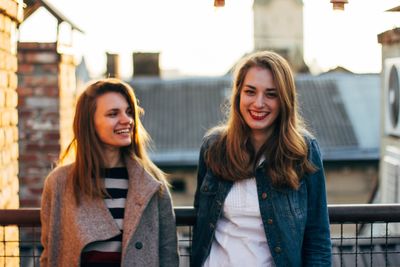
(341, 110)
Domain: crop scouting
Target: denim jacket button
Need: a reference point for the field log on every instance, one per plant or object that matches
(219, 203)
(212, 226)
(278, 249)
(205, 188)
(264, 196)
(270, 221)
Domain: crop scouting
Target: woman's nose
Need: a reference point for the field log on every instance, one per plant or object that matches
(259, 101)
(126, 119)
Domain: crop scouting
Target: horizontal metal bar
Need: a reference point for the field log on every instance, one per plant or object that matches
(31, 216)
(364, 213)
(21, 217)
(185, 216)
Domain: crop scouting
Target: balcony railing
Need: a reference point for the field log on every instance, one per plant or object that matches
(362, 235)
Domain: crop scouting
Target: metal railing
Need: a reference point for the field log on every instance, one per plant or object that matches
(362, 235)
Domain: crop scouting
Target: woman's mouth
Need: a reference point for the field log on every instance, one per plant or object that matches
(122, 131)
(258, 115)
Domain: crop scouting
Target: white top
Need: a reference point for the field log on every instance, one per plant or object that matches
(239, 237)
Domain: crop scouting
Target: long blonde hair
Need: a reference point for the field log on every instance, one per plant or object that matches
(87, 168)
(232, 156)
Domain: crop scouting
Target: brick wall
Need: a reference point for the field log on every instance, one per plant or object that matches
(46, 91)
(9, 19)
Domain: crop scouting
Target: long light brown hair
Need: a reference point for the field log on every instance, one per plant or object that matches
(232, 156)
(87, 169)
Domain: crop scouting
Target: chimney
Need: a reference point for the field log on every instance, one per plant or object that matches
(146, 64)
(113, 70)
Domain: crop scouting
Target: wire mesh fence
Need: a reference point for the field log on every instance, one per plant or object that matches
(362, 235)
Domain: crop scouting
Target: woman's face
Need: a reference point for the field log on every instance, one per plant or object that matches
(259, 102)
(113, 120)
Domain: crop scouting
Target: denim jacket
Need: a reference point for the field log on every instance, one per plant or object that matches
(296, 222)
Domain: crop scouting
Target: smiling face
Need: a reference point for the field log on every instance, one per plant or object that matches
(259, 103)
(113, 120)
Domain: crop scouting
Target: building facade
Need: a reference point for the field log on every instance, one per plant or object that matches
(389, 190)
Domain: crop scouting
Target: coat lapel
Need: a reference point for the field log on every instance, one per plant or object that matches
(95, 221)
(142, 187)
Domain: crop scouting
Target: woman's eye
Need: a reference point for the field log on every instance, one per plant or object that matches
(113, 114)
(271, 94)
(129, 112)
(249, 92)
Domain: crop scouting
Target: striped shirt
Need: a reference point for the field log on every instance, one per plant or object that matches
(107, 253)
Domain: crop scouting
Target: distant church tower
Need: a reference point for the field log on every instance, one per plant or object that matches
(278, 26)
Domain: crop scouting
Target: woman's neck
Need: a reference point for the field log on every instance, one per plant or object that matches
(257, 142)
(258, 139)
(112, 157)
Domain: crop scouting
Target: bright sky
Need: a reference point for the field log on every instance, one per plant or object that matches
(195, 38)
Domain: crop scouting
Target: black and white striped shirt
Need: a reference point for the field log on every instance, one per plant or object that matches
(107, 253)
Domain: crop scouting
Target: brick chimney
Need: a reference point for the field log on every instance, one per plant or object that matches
(390, 41)
(113, 67)
(47, 92)
(146, 64)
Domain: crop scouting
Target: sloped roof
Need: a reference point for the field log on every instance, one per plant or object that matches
(324, 112)
(394, 9)
(350, 125)
(33, 5)
(179, 112)
(335, 107)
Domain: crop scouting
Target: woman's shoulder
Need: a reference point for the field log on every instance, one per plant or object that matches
(213, 135)
(58, 175)
(308, 137)
(313, 148)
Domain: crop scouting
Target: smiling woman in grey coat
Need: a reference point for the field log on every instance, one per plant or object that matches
(111, 206)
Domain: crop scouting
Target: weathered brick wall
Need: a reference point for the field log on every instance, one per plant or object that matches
(9, 18)
(46, 99)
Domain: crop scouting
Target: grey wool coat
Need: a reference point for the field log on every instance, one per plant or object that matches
(149, 230)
